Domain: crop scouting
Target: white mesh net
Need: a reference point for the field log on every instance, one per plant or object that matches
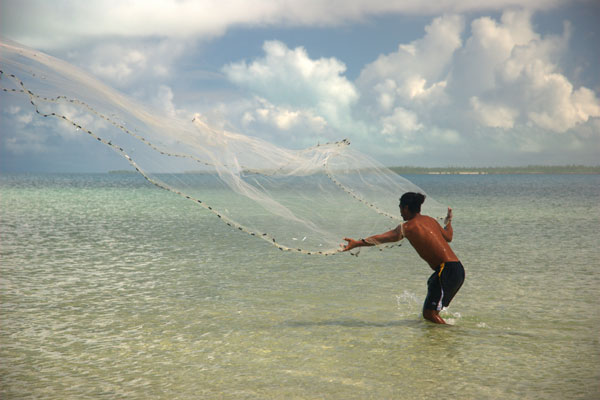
(298, 200)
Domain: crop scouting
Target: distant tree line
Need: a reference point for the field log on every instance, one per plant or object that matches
(530, 169)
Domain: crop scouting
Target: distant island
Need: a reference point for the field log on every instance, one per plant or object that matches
(530, 169)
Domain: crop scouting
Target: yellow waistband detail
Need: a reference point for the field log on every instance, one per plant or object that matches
(442, 265)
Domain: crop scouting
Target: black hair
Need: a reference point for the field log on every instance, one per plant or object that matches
(413, 201)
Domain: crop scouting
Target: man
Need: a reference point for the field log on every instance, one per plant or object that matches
(430, 241)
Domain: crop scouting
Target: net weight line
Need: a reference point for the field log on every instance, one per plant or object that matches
(119, 150)
(265, 236)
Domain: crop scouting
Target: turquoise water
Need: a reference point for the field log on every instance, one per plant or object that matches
(111, 288)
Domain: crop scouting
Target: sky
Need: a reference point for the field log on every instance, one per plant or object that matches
(436, 83)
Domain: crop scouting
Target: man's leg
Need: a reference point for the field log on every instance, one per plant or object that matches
(433, 299)
(433, 316)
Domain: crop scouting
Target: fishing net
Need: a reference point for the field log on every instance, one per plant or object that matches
(298, 200)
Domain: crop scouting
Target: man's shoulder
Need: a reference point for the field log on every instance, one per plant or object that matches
(421, 218)
(420, 221)
(411, 225)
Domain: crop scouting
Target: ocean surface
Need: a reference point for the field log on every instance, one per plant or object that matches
(111, 288)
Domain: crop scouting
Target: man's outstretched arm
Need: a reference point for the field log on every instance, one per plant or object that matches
(390, 236)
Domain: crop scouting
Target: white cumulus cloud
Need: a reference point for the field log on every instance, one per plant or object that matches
(61, 23)
(512, 75)
(401, 121)
(493, 115)
(503, 76)
(134, 62)
(417, 72)
(291, 79)
(283, 118)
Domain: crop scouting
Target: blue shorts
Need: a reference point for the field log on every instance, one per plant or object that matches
(443, 284)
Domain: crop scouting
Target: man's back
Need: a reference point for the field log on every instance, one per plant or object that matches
(429, 239)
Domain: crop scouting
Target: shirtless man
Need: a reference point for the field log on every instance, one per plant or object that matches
(430, 241)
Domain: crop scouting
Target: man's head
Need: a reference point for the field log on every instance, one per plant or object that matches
(410, 204)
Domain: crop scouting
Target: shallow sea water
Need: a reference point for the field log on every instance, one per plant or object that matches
(111, 288)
